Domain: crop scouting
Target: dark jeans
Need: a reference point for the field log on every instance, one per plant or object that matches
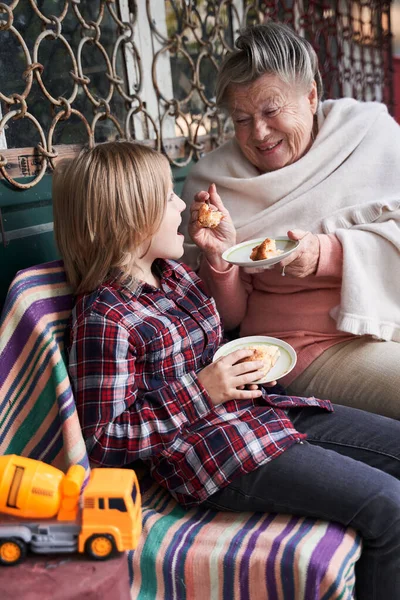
(347, 471)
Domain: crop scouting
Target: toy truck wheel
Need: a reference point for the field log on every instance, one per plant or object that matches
(100, 546)
(12, 551)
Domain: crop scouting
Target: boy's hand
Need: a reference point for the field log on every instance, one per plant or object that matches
(224, 380)
(215, 241)
(254, 386)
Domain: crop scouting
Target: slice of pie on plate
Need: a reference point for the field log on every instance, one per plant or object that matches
(268, 354)
(267, 249)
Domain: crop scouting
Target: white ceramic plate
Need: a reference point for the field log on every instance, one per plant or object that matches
(283, 365)
(240, 254)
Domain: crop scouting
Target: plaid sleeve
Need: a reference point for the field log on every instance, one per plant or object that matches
(120, 422)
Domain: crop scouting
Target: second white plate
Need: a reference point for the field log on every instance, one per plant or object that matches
(285, 363)
(240, 254)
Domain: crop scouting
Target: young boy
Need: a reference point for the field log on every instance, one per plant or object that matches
(142, 337)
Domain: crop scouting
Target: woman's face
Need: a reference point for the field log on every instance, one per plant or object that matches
(273, 120)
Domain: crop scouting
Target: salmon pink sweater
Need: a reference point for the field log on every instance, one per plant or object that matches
(292, 309)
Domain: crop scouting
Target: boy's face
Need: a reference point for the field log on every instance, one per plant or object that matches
(167, 241)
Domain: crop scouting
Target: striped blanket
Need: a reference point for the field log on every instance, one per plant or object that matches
(37, 411)
(183, 555)
(206, 555)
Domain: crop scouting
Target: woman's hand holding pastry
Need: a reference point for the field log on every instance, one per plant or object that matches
(213, 241)
(304, 260)
(224, 379)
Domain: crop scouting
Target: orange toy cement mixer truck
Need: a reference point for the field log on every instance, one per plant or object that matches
(41, 510)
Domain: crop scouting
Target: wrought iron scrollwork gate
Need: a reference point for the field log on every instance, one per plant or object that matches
(76, 71)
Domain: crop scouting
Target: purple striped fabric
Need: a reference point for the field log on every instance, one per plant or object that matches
(182, 555)
(37, 411)
(198, 554)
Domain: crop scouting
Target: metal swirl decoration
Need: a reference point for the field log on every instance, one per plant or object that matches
(145, 69)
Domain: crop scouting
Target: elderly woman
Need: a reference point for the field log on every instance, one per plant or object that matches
(328, 175)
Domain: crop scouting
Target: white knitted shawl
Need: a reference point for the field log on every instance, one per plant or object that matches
(348, 183)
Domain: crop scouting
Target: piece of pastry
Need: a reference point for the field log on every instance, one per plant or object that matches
(268, 354)
(267, 249)
(208, 217)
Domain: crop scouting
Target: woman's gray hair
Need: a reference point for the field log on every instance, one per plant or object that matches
(272, 48)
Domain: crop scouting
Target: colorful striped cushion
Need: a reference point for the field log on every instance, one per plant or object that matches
(208, 555)
(182, 555)
(37, 411)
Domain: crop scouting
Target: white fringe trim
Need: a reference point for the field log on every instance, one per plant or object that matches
(359, 325)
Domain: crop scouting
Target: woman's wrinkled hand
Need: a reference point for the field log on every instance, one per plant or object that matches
(304, 260)
(225, 380)
(213, 242)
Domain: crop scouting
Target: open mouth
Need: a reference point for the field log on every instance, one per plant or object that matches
(269, 147)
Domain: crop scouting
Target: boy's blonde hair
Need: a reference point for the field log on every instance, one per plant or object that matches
(107, 202)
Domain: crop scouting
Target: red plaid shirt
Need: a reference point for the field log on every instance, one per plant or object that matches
(134, 356)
